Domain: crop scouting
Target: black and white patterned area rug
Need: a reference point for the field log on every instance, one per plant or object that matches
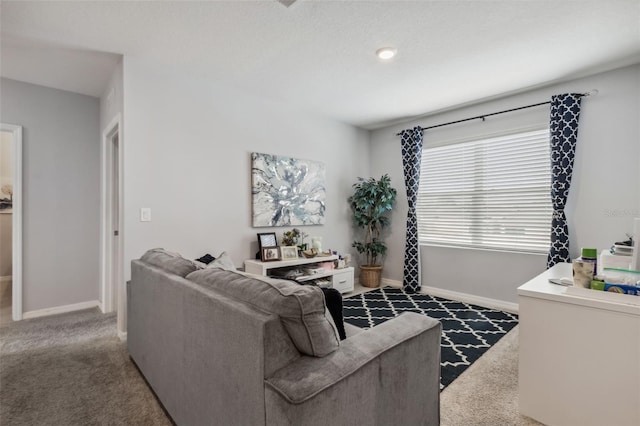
(468, 331)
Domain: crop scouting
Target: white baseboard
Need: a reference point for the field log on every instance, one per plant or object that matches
(61, 309)
(122, 335)
(6, 278)
(390, 282)
(485, 302)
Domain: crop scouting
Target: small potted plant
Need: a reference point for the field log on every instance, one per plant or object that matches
(295, 237)
(371, 201)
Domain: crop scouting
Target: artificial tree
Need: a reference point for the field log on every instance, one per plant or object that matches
(371, 201)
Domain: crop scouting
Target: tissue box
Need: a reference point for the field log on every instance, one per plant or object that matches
(608, 260)
(621, 276)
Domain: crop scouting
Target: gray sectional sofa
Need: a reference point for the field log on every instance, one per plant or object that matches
(221, 347)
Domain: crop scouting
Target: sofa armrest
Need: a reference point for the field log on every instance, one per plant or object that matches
(309, 376)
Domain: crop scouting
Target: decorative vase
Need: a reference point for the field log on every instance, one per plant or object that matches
(370, 275)
(316, 243)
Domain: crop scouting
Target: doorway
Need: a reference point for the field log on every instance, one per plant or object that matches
(111, 201)
(10, 222)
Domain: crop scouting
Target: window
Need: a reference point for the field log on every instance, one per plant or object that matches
(491, 193)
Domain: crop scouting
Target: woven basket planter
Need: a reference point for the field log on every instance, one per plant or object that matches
(370, 275)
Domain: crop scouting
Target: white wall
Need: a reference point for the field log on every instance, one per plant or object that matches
(111, 109)
(60, 192)
(6, 177)
(604, 197)
(112, 98)
(187, 157)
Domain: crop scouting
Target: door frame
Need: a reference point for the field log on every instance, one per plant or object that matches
(111, 270)
(16, 221)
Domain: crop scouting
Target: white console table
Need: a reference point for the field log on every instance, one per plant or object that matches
(341, 279)
(579, 359)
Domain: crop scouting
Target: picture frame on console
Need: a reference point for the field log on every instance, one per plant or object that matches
(289, 252)
(270, 254)
(267, 239)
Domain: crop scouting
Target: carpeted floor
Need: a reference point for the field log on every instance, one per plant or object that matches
(486, 394)
(72, 369)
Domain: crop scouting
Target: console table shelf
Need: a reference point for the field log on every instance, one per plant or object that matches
(341, 279)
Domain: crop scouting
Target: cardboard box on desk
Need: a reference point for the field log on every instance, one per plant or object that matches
(615, 288)
(606, 296)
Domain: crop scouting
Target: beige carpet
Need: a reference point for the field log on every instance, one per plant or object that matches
(486, 394)
(71, 369)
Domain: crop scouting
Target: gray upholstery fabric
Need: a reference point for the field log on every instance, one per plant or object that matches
(351, 330)
(307, 377)
(387, 375)
(201, 352)
(279, 350)
(169, 262)
(300, 308)
(215, 360)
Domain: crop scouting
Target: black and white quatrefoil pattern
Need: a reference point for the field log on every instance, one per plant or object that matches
(411, 156)
(468, 330)
(563, 126)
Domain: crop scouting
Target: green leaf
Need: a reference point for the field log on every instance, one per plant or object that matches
(371, 201)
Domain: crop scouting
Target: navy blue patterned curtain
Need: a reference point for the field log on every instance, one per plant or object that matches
(565, 112)
(411, 156)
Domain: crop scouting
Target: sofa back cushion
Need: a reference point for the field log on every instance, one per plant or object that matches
(169, 262)
(301, 308)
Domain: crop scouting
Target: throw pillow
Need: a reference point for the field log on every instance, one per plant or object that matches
(199, 265)
(301, 308)
(223, 261)
(206, 259)
(169, 262)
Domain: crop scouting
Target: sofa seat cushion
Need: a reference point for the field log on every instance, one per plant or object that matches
(301, 308)
(169, 262)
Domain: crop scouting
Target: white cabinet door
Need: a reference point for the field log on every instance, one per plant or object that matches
(343, 280)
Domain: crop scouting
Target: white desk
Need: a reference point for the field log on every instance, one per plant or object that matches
(579, 360)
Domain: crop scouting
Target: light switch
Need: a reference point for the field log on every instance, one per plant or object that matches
(145, 214)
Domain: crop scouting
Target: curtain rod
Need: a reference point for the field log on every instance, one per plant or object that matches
(483, 116)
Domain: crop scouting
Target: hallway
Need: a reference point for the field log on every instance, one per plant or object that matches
(5, 302)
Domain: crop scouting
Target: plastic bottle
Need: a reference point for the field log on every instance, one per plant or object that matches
(590, 255)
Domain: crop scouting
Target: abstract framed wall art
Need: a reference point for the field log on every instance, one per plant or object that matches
(7, 143)
(287, 191)
(6, 198)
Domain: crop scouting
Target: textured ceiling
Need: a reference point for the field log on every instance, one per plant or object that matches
(319, 55)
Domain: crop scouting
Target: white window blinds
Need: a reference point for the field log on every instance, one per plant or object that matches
(492, 193)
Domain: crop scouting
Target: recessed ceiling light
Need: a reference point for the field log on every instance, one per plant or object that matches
(386, 53)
